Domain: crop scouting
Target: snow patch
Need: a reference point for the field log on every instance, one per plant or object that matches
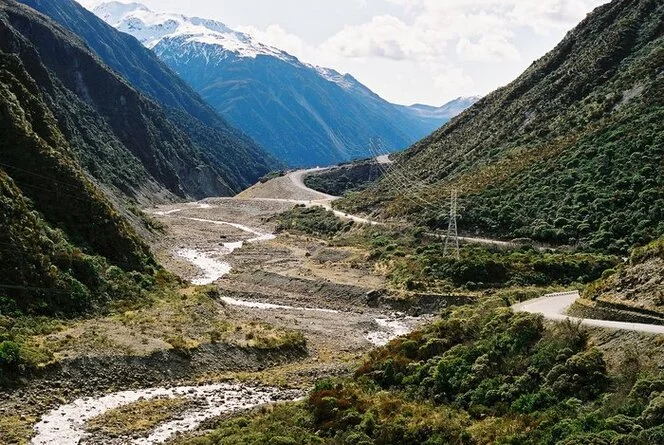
(151, 28)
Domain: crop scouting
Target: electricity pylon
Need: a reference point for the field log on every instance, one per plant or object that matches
(452, 238)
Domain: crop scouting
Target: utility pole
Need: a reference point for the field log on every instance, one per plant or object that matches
(452, 238)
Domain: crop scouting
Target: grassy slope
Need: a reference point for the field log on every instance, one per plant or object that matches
(570, 152)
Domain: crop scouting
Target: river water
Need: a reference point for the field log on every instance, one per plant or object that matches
(67, 424)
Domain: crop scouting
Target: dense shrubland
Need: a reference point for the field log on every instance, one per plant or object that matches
(479, 375)
(311, 221)
(570, 153)
(347, 178)
(413, 260)
(422, 264)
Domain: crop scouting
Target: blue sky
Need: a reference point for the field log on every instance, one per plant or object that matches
(408, 51)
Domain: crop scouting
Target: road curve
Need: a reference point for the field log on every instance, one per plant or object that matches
(384, 159)
(297, 177)
(292, 189)
(554, 306)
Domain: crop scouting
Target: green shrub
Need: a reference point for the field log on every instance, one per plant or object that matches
(10, 355)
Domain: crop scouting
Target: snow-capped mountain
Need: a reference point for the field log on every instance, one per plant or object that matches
(150, 28)
(303, 114)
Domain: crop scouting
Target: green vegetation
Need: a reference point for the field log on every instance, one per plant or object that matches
(137, 418)
(569, 153)
(64, 247)
(312, 221)
(479, 375)
(348, 178)
(272, 175)
(281, 425)
(415, 262)
(43, 273)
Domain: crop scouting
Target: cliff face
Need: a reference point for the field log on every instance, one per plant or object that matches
(634, 290)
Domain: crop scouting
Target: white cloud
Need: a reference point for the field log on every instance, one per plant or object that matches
(453, 82)
(483, 28)
(488, 48)
(384, 36)
(275, 35)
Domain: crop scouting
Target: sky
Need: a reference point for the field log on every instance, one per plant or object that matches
(407, 51)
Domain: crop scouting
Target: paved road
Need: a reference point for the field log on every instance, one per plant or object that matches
(554, 306)
(292, 189)
(384, 159)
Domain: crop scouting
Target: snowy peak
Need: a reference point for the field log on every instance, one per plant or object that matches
(150, 28)
(447, 111)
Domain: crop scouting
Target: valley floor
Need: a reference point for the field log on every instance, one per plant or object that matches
(265, 284)
(260, 282)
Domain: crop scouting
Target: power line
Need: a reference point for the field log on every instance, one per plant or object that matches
(399, 181)
(452, 238)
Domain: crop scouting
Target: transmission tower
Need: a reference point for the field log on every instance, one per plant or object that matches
(452, 238)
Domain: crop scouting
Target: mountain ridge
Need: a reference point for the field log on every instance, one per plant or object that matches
(568, 153)
(289, 107)
(237, 158)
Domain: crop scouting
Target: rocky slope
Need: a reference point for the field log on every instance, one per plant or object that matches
(571, 152)
(304, 115)
(634, 292)
(236, 161)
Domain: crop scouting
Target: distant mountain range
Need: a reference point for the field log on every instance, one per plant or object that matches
(304, 115)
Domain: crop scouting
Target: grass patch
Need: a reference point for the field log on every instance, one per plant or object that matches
(175, 318)
(16, 429)
(315, 221)
(137, 418)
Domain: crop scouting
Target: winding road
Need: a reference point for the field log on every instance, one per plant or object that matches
(319, 199)
(554, 306)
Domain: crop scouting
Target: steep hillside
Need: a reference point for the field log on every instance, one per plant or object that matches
(239, 160)
(53, 220)
(304, 115)
(569, 153)
(634, 292)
